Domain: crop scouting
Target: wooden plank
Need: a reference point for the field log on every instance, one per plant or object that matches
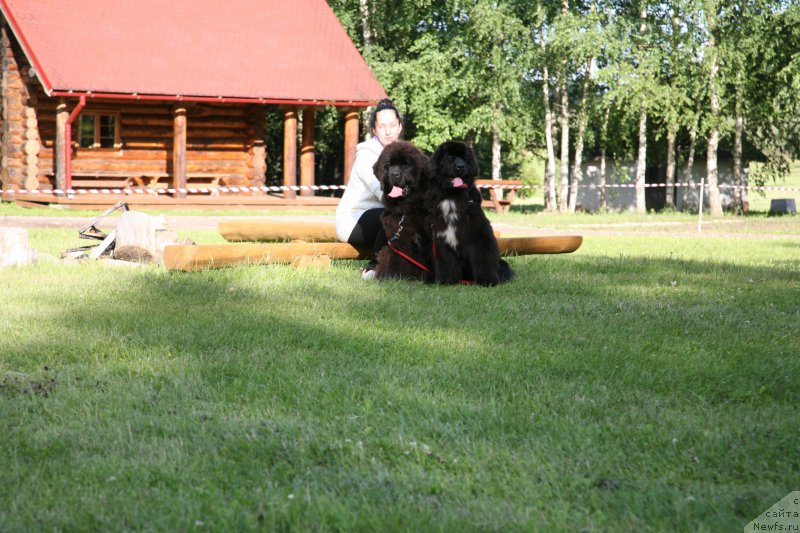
(202, 256)
(277, 230)
(211, 256)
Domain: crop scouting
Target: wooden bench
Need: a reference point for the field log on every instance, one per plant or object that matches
(194, 180)
(101, 180)
(501, 205)
(151, 181)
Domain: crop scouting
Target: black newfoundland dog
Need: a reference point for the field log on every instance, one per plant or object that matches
(402, 171)
(465, 249)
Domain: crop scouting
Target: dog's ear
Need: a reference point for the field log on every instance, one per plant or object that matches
(379, 168)
(435, 160)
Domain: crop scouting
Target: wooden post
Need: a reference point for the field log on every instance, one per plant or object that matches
(307, 153)
(290, 152)
(179, 152)
(350, 141)
(61, 145)
(258, 151)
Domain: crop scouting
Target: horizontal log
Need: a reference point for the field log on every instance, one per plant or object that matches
(166, 122)
(49, 105)
(198, 257)
(556, 244)
(162, 144)
(277, 230)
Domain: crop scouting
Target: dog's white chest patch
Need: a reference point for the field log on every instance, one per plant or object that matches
(449, 236)
(450, 216)
(448, 209)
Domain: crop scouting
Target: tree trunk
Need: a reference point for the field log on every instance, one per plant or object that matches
(712, 176)
(641, 163)
(602, 182)
(738, 196)
(641, 160)
(366, 34)
(692, 149)
(496, 150)
(577, 170)
(670, 181)
(564, 127)
(563, 200)
(550, 167)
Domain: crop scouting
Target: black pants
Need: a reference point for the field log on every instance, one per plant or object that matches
(369, 232)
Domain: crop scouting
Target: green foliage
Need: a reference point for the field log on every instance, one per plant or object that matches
(459, 69)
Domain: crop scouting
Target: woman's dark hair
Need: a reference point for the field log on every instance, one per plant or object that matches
(382, 106)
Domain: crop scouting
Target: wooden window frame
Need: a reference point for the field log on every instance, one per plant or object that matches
(97, 113)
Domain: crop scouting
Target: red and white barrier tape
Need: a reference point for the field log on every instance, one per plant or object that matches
(282, 188)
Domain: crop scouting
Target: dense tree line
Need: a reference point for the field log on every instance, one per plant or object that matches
(658, 83)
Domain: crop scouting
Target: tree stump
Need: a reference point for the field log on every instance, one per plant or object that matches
(136, 237)
(14, 249)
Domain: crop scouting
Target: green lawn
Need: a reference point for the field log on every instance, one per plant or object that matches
(639, 384)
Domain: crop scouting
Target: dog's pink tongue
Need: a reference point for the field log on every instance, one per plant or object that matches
(396, 192)
(458, 183)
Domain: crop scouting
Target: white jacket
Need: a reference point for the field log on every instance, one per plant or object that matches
(363, 189)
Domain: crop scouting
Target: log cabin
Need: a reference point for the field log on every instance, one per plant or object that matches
(170, 95)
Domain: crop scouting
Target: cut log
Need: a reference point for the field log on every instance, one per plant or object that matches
(136, 237)
(198, 257)
(558, 244)
(278, 230)
(221, 255)
(14, 250)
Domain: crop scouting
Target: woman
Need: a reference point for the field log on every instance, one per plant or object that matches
(358, 216)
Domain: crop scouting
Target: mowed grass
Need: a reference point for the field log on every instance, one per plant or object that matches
(639, 384)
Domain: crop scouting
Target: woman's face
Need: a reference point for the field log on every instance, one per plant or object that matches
(387, 127)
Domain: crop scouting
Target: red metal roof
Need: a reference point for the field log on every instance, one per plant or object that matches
(278, 50)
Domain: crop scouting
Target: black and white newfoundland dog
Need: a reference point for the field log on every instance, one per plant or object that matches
(464, 246)
(402, 170)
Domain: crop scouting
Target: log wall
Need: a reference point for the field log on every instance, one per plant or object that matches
(220, 140)
(20, 147)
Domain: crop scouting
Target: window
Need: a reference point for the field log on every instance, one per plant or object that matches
(98, 130)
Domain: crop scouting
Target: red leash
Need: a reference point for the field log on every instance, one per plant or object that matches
(414, 261)
(409, 258)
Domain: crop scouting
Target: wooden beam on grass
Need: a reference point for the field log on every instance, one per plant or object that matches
(556, 244)
(210, 256)
(277, 230)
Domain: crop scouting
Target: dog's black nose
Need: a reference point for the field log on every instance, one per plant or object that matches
(459, 165)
